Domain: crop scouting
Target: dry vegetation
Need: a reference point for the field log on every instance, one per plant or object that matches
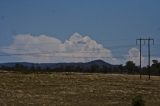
(75, 89)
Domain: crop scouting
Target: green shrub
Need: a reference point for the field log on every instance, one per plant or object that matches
(138, 101)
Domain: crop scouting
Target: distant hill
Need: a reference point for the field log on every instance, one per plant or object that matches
(93, 66)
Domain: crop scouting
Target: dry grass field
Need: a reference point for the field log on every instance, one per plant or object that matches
(76, 89)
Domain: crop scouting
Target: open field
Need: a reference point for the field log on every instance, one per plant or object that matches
(75, 89)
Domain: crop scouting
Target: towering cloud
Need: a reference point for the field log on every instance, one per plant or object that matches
(44, 49)
(133, 55)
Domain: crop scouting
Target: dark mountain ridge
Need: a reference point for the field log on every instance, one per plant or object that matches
(93, 65)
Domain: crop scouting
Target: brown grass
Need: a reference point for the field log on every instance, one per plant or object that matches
(75, 89)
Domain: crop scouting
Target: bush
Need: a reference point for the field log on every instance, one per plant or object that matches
(138, 101)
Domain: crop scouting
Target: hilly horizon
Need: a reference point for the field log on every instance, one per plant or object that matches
(98, 60)
(96, 64)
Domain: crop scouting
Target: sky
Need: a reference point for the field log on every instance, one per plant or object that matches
(79, 30)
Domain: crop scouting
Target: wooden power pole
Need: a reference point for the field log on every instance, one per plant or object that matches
(149, 53)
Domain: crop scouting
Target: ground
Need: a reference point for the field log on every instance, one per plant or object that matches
(76, 89)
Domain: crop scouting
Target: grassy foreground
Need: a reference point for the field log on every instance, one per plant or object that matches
(76, 89)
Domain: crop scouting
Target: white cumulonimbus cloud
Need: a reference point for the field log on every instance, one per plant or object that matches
(134, 55)
(46, 49)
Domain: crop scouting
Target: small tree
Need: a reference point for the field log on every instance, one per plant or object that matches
(138, 101)
(130, 66)
(155, 68)
(155, 61)
(18, 67)
(33, 68)
(121, 68)
(94, 68)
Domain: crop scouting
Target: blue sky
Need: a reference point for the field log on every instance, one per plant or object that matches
(116, 24)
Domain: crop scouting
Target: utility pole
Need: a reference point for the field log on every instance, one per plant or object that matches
(149, 54)
(148, 41)
(140, 62)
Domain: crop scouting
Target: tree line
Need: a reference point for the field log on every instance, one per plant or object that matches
(129, 68)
